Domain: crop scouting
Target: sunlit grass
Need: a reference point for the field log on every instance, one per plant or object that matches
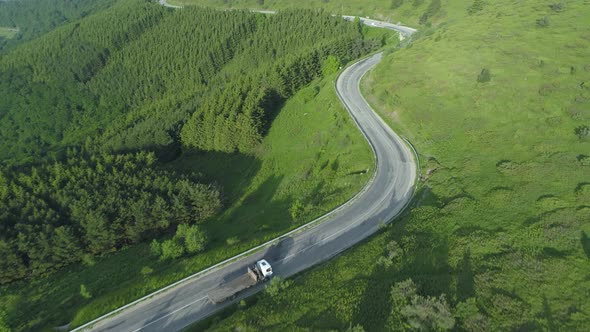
(503, 212)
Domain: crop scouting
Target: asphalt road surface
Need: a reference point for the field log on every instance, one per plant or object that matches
(384, 197)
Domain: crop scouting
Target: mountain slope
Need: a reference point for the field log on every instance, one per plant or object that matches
(134, 73)
(33, 18)
(494, 98)
(84, 105)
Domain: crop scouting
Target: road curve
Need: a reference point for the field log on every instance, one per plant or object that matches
(384, 197)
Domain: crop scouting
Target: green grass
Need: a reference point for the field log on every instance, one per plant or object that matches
(381, 9)
(503, 211)
(324, 298)
(8, 33)
(312, 154)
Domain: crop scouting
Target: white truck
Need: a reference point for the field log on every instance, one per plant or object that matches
(259, 272)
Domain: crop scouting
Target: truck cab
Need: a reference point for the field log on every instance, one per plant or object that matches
(264, 268)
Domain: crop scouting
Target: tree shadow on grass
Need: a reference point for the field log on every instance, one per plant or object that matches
(547, 314)
(316, 196)
(325, 320)
(465, 278)
(232, 172)
(463, 195)
(256, 215)
(585, 244)
(550, 252)
(375, 306)
(427, 265)
(427, 198)
(516, 312)
(321, 193)
(426, 262)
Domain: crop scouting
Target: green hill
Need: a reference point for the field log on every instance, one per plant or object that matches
(23, 20)
(135, 59)
(142, 144)
(494, 95)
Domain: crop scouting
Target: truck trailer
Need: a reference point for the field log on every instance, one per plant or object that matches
(259, 272)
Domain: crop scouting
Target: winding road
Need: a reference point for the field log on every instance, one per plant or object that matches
(382, 199)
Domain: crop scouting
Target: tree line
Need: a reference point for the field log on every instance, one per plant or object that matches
(45, 103)
(287, 51)
(91, 204)
(133, 75)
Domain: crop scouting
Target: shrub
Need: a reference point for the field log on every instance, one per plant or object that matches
(393, 251)
(310, 92)
(557, 7)
(146, 270)
(187, 239)
(423, 19)
(471, 319)
(396, 4)
(331, 65)
(232, 240)
(84, 292)
(582, 131)
(484, 76)
(433, 8)
(429, 313)
(393, 254)
(477, 6)
(3, 324)
(156, 248)
(276, 286)
(194, 239)
(356, 328)
(383, 261)
(402, 291)
(583, 159)
(543, 22)
(88, 260)
(172, 249)
(296, 209)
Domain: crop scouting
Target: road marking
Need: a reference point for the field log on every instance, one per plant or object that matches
(169, 314)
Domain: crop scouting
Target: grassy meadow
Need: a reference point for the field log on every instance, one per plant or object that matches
(495, 96)
(313, 154)
(506, 151)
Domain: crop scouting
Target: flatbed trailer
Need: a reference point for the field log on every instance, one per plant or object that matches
(259, 272)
